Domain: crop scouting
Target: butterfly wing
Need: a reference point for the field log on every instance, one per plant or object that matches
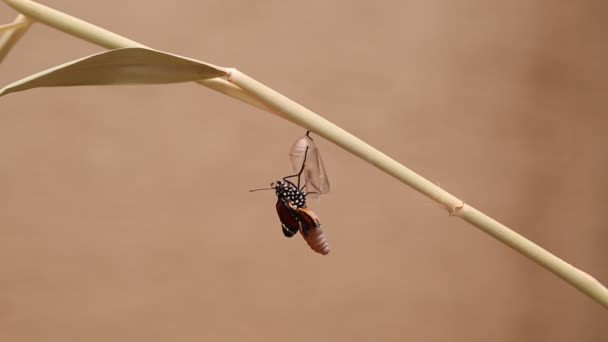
(287, 216)
(308, 221)
(314, 173)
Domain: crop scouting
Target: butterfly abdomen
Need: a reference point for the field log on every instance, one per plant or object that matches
(317, 242)
(310, 227)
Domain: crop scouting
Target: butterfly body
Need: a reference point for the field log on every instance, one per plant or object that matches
(289, 200)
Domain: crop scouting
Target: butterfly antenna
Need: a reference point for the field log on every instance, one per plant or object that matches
(254, 190)
(308, 135)
(261, 189)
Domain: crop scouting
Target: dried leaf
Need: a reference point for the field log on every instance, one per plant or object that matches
(120, 66)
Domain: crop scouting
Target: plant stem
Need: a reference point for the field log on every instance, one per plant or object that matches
(255, 93)
(222, 86)
(577, 278)
(71, 25)
(304, 117)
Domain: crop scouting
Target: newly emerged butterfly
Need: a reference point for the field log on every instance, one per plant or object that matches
(292, 211)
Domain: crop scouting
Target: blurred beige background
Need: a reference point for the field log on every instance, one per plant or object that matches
(124, 211)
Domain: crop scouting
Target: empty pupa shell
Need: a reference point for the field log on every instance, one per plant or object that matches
(314, 173)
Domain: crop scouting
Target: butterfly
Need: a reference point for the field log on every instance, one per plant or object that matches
(295, 217)
(291, 204)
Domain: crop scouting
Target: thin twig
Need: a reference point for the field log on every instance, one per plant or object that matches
(15, 31)
(251, 91)
(13, 25)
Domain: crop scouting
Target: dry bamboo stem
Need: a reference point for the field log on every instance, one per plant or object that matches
(302, 116)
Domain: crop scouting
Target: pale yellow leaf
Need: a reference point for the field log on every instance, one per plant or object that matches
(120, 66)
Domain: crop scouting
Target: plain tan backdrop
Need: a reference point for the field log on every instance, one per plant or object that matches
(125, 213)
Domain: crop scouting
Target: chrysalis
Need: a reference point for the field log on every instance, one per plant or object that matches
(315, 178)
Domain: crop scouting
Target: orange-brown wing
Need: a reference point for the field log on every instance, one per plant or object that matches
(311, 231)
(288, 218)
(308, 220)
